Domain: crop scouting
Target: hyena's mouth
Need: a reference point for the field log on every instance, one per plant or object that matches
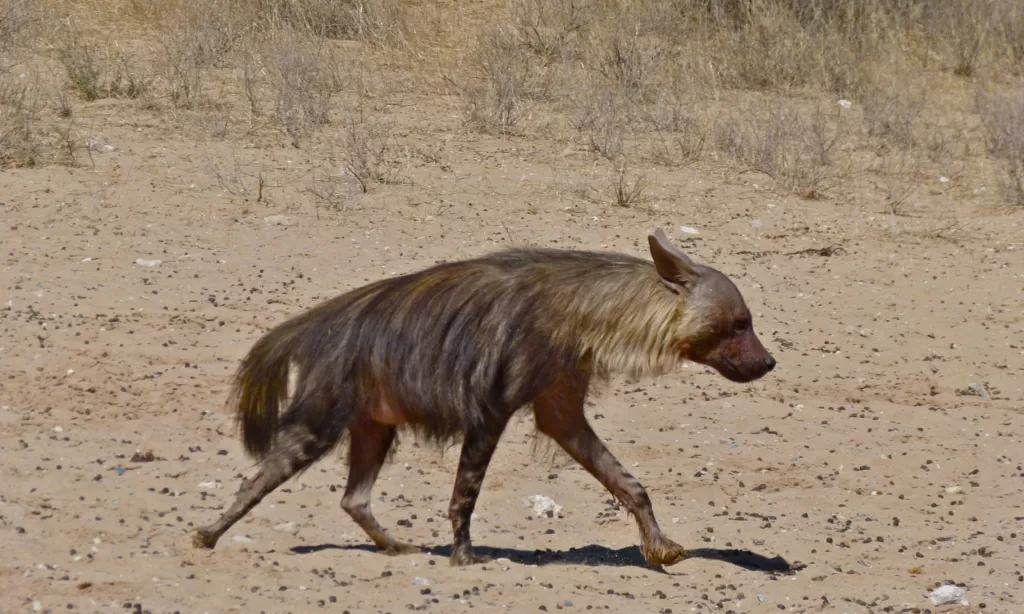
(733, 373)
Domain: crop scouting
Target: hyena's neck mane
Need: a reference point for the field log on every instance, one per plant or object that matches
(611, 307)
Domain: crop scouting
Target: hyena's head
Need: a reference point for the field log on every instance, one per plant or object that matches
(716, 328)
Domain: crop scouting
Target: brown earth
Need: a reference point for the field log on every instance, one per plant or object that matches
(863, 457)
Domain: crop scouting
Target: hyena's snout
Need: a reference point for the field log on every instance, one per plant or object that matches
(750, 358)
(740, 358)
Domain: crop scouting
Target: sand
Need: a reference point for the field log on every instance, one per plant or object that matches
(856, 477)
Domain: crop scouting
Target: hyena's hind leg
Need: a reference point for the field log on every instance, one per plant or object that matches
(295, 449)
(368, 449)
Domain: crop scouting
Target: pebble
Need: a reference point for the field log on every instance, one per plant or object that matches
(146, 262)
(948, 594)
(421, 581)
(688, 230)
(979, 389)
(543, 506)
(288, 527)
(37, 606)
(210, 485)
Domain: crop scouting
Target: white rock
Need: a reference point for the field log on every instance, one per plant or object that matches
(145, 262)
(421, 581)
(242, 539)
(846, 104)
(210, 485)
(688, 230)
(954, 490)
(948, 594)
(288, 527)
(37, 606)
(543, 506)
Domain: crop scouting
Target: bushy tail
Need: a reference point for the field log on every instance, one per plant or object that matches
(261, 386)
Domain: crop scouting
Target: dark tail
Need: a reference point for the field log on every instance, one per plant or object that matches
(261, 386)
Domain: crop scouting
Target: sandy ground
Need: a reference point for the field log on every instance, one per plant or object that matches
(854, 478)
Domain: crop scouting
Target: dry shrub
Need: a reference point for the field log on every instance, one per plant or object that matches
(1009, 34)
(1002, 115)
(368, 150)
(682, 126)
(16, 20)
(19, 115)
(192, 42)
(963, 26)
(304, 77)
(506, 86)
(552, 29)
(101, 72)
(792, 146)
(891, 112)
(373, 21)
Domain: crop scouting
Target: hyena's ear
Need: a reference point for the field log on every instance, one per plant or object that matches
(672, 264)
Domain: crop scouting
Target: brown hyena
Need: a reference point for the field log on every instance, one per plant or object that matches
(455, 350)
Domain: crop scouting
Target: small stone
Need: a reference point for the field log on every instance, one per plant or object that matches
(421, 581)
(37, 606)
(543, 506)
(212, 485)
(287, 527)
(147, 262)
(948, 594)
(954, 490)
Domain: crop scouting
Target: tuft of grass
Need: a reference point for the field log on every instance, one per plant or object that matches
(627, 188)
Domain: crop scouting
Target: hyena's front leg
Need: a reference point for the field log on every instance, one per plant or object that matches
(559, 415)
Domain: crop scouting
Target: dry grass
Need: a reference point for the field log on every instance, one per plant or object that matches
(668, 83)
(793, 146)
(305, 79)
(1003, 117)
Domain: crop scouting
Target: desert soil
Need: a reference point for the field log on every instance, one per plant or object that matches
(857, 476)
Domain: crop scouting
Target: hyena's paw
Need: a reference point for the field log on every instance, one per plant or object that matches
(662, 552)
(400, 548)
(464, 557)
(204, 539)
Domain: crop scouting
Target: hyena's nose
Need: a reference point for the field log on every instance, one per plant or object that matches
(769, 361)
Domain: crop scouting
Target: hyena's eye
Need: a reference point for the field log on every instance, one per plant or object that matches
(741, 325)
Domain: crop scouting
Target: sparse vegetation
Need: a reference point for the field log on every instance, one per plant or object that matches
(639, 80)
(1003, 117)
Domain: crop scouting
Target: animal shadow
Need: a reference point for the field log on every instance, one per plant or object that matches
(595, 556)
